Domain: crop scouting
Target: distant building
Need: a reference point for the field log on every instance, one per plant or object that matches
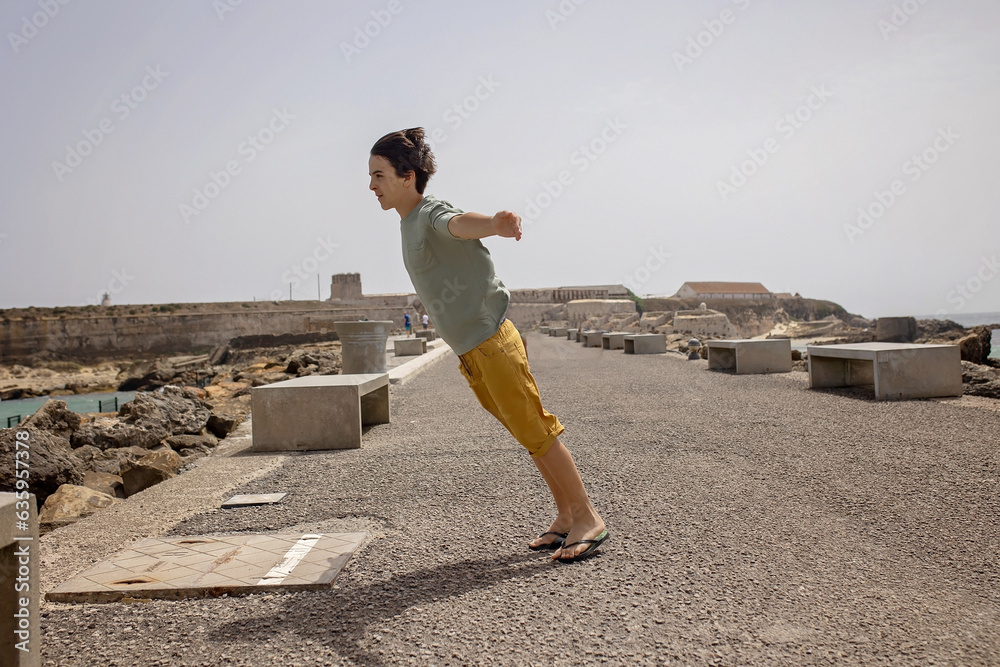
(723, 291)
(346, 287)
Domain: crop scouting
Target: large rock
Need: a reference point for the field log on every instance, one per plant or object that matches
(147, 420)
(151, 469)
(972, 348)
(140, 476)
(50, 462)
(221, 424)
(980, 380)
(174, 409)
(108, 461)
(111, 433)
(70, 503)
(938, 330)
(189, 445)
(145, 375)
(105, 483)
(55, 418)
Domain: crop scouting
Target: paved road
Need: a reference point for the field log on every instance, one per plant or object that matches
(753, 522)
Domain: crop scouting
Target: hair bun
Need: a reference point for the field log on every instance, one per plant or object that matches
(416, 135)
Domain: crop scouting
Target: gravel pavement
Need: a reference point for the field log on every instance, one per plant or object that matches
(752, 522)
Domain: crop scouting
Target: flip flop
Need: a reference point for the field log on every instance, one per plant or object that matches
(594, 543)
(554, 544)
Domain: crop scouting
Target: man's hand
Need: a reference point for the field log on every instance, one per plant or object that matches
(507, 224)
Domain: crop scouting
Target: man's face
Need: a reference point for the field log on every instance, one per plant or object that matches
(387, 186)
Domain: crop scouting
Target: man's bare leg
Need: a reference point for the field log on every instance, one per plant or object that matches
(564, 517)
(587, 524)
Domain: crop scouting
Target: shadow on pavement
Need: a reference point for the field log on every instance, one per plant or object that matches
(342, 618)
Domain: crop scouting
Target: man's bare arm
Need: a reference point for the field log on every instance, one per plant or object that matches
(479, 226)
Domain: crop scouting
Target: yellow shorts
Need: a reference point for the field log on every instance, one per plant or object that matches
(498, 373)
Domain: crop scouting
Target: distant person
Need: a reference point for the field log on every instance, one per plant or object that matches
(406, 323)
(425, 320)
(441, 250)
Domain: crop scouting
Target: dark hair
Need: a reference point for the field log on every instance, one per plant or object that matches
(406, 151)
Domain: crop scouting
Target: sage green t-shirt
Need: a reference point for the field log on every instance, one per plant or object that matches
(453, 277)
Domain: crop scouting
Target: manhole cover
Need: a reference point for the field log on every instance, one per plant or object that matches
(213, 565)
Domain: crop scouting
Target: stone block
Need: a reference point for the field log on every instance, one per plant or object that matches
(751, 356)
(594, 339)
(19, 557)
(613, 340)
(544, 330)
(645, 344)
(896, 329)
(407, 347)
(318, 411)
(571, 334)
(897, 370)
(559, 332)
(429, 334)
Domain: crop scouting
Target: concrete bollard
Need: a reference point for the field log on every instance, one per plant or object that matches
(363, 346)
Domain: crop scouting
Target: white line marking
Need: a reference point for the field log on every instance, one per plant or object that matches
(291, 559)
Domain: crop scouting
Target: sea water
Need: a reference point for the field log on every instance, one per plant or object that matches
(75, 402)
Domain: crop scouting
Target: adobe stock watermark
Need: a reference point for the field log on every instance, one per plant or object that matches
(584, 156)
(116, 285)
(698, 43)
(460, 111)
(223, 7)
(364, 34)
(786, 126)
(31, 25)
(900, 16)
(23, 536)
(966, 291)
(656, 259)
(248, 149)
(915, 168)
(307, 267)
(562, 12)
(122, 108)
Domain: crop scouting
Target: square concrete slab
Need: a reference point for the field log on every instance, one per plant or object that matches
(248, 499)
(175, 568)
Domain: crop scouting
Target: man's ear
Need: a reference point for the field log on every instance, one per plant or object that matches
(411, 177)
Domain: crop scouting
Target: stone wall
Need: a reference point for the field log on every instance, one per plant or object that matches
(584, 309)
(707, 323)
(100, 336)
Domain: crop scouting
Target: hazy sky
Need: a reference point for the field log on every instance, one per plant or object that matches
(217, 151)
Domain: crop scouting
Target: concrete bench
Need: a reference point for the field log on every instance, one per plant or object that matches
(645, 343)
(613, 340)
(318, 411)
(429, 334)
(19, 559)
(544, 330)
(594, 339)
(571, 334)
(559, 332)
(897, 370)
(407, 347)
(751, 356)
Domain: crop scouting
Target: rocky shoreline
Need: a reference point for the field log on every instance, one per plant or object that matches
(183, 407)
